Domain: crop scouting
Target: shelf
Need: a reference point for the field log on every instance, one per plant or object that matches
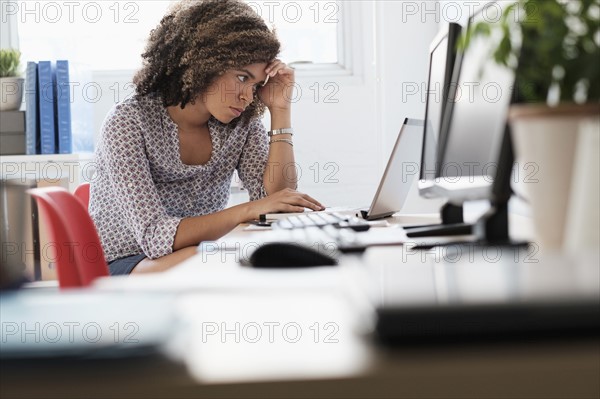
(46, 158)
(49, 168)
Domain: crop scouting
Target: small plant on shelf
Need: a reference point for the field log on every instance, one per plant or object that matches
(11, 83)
(10, 63)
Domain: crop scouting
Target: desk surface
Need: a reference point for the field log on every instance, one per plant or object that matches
(303, 333)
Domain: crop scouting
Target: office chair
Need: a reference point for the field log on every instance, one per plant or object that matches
(80, 258)
(82, 192)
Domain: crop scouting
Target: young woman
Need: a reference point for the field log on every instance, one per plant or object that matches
(167, 155)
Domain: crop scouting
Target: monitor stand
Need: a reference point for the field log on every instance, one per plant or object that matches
(452, 224)
(492, 227)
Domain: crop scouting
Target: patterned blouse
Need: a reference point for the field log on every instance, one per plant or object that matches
(142, 190)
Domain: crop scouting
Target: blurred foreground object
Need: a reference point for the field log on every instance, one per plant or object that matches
(12, 216)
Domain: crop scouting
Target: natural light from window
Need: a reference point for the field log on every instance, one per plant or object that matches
(111, 35)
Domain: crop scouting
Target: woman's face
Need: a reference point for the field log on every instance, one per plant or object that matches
(233, 91)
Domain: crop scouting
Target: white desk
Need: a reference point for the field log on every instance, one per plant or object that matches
(326, 349)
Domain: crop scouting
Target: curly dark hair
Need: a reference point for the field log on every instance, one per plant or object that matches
(196, 42)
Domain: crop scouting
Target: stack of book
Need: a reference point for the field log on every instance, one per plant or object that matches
(12, 133)
(48, 108)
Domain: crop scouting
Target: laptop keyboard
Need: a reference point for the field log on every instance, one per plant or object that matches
(322, 219)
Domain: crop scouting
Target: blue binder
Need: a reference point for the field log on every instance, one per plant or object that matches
(63, 107)
(46, 108)
(32, 121)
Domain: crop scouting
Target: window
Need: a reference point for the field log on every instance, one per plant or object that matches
(103, 35)
(308, 29)
(110, 35)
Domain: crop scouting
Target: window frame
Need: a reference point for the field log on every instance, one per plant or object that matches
(349, 55)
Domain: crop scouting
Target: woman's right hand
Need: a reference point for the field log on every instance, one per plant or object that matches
(286, 201)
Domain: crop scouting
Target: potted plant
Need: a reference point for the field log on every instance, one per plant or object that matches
(553, 47)
(11, 84)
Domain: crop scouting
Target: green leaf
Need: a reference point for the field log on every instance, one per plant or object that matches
(9, 62)
(503, 51)
(547, 43)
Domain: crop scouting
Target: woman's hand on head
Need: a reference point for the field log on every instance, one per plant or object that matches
(278, 93)
(286, 201)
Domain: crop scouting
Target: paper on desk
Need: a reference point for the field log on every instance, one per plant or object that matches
(271, 336)
(249, 241)
(379, 223)
(383, 236)
(254, 227)
(241, 242)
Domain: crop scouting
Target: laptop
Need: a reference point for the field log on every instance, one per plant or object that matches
(402, 167)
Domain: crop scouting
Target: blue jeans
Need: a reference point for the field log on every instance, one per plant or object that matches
(125, 265)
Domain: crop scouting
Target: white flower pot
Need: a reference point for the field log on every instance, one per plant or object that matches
(545, 140)
(11, 93)
(583, 218)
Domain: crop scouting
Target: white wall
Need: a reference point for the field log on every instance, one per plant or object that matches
(404, 31)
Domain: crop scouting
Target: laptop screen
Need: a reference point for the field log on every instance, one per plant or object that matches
(400, 172)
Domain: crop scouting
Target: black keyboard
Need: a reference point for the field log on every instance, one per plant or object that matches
(321, 219)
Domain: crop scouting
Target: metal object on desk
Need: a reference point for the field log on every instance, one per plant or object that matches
(13, 198)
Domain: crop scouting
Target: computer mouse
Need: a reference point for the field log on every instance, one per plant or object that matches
(284, 255)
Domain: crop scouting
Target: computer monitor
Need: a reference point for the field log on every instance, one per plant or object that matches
(442, 54)
(474, 123)
(474, 153)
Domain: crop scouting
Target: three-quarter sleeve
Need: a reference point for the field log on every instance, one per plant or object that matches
(128, 172)
(253, 160)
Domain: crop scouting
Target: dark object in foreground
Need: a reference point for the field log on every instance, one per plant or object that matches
(284, 255)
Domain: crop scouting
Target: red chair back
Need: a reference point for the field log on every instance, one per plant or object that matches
(66, 269)
(82, 192)
(81, 234)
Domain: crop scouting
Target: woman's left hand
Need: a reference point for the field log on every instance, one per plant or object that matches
(278, 93)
